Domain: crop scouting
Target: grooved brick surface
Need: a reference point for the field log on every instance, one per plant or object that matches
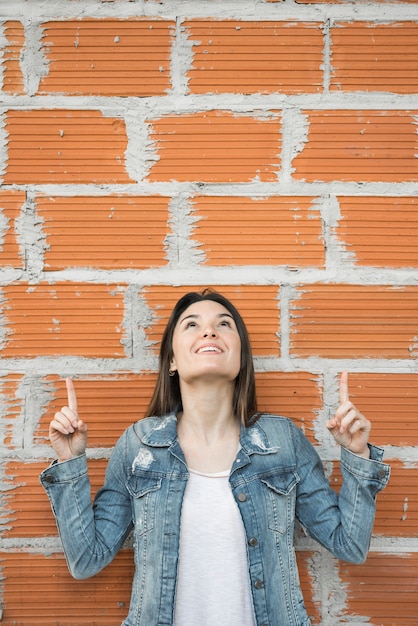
(107, 57)
(71, 319)
(375, 57)
(390, 401)
(296, 395)
(216, 147)
(65, 146)
(102, 600)
(358, 146)
(379, 231)
(287, 231)
(127, 231)
(355, 321)
(250, 57)
(375, 590)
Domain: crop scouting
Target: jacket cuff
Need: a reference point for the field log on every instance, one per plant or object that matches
(64, 471)
(372, 468)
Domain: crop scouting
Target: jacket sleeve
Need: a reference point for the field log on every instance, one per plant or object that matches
(343, 522)
(91, 533)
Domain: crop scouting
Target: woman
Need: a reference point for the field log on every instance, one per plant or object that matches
(210, 487)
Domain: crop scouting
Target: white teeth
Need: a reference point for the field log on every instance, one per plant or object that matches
(208, 349)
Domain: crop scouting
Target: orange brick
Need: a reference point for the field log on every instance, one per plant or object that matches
(250, 57)
(354, 321)
(26, 511)
(258, 306)
(107, 57)
(266, 231)
(380, 232)
(362, 146)
(375, 57)
(65, 319)
(12, 408)
(216, 146)
(383, 591)
(12, 72)
(51, 596)
(11, 203)
(105, 232)
(108, 404)
(60, 146)
(296, 395)
(390, 402)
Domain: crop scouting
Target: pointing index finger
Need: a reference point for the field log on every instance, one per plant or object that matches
(71, 395)
(344, 388)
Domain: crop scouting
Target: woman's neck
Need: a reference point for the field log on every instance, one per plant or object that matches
(208, 432)
(207, 408)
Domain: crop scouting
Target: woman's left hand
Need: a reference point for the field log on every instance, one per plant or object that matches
(348, 426)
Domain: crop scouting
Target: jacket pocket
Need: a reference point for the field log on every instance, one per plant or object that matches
(280, 499)
(144, 490)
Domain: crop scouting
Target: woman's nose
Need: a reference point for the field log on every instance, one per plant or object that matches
(209, 332)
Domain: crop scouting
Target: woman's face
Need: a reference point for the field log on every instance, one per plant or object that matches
(206, 343)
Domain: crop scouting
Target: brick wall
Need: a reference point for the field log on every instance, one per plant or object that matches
(266, 148)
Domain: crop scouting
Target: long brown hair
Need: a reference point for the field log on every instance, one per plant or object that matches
(167, 397)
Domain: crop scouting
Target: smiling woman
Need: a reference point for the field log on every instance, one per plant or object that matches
(167, 394)
(210, 487)
(206, 343)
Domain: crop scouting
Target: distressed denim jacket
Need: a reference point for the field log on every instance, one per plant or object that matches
(277, 476)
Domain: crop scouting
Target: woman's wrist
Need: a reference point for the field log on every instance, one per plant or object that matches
(363, 453)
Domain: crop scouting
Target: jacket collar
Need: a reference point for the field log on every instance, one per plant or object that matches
(253, 439)
(163, 434)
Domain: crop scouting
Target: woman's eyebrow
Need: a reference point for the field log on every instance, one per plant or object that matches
(191, 316)
(196, 315)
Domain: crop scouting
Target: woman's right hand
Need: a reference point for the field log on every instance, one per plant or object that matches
(67, 432)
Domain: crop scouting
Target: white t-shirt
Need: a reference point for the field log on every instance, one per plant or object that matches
(213, 587)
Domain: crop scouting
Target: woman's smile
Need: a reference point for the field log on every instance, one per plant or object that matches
(208, 330)
(209, 348)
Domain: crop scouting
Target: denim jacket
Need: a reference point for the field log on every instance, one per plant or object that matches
(277, 476)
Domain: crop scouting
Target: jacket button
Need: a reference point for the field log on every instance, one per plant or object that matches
(381, 473)
(242, 497)
(48, 479)
(253, 542)
(258, 584)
